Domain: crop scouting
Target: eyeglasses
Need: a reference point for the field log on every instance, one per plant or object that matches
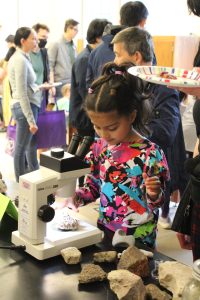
(74, 28)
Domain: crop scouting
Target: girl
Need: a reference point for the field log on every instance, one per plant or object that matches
(25, 102)
(128, 172)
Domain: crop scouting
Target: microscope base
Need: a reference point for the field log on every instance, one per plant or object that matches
(57, 240)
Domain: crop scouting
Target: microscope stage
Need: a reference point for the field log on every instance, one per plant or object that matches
(56, 240)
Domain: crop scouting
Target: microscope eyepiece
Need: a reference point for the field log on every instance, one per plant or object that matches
(74, 143)
(84, 147)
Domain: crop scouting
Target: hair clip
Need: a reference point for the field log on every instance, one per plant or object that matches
(119, 72)
(90, 91)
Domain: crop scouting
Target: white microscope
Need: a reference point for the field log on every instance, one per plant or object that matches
(58, 174)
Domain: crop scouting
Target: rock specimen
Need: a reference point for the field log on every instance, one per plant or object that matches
(174, 276)
(67, 223)
(154, 293)
(71, 255)
(135, 261)
(126, 285)
(105, 256)
(91, 273)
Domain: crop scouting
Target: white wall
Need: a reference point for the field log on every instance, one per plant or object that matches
(169, 17)
(8, 22)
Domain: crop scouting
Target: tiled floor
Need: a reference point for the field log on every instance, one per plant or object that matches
(166, 241)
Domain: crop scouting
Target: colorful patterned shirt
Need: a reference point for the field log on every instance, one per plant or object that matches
(116, 177)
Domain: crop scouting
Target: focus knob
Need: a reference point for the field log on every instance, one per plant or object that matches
(46, 213)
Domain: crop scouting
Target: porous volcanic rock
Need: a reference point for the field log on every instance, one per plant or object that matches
(91, 273)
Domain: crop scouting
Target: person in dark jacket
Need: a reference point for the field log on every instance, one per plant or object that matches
(169, 135)
(194, 7)
(135, 45)
(102, 54)
(194, 166)
(77, 116)
(132, 13)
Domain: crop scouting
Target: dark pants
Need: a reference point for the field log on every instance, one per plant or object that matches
(26, 146)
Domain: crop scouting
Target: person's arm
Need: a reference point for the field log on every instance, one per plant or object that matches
(80, 72)
(156, 169)
(2, 74)
(52, 57)
(91, 189)
(45, 58)
(21, 77)
(5, 65)
(196, 148)
(193, 91)
(165, 117)
(89, 73)
(75, 99)
(77, 115)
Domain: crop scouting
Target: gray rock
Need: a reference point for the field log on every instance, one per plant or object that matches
(126, 285)
(174, 276)
(154, 293)
(71, 255)
(105, 256)
(135, 261)
(91, 273)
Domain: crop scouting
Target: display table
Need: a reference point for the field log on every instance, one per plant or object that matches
(23, 277)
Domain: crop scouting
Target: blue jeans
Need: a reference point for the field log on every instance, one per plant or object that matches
(25, 146)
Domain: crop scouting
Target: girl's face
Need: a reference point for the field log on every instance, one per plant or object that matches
(30, 43)
(112, 127)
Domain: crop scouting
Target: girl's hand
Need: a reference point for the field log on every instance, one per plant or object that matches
(72, 204)
(184, 241)
(153, 186)
(33, 128)
(68, 202)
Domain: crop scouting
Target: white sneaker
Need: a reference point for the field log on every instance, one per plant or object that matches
(165, 223)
